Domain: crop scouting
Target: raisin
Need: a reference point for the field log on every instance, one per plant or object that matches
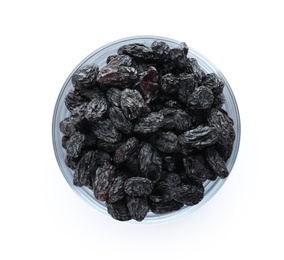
(75, 145)
(226, 133)
(119, 120)
(85, 77)
(150, 123)
(106, 131)
(125, 150)
(161, 50)
(148, 84)
(138, 207)
(104, 177)
(119, 60)
(116, 191)
(189, 194)
(95, 108)
(114, 96)
(117, 75)
(138, 186)
(118, 210)
(213, 82)
(199, 137)
(166, 142)
(132, 103)
(169, 83)
(196, 168)
(165, 189)
(216, 162)
(136, 50)
(85, 169)
(164, 207)
(73, 99)
(150, 162)
(175, 119)
(201, 98)
(68, 125)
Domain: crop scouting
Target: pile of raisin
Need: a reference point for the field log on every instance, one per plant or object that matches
(147, 130)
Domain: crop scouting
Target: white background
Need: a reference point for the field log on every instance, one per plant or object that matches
(43, 41)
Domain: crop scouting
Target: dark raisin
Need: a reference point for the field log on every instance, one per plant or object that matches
(175, 119)
(119, 120)
(150, 162)
(136, 50)
(119, 210)
(85, 77)
(216, 162)
(125, 150)
(161, 50)
(138, 207)
(132, 103)
(226, 133)
(199, 137)
(196, 168)
(116, 191)
(169, 83)
(85, 169)
(95, 108)
(189, 194)
(104, 177)
(149, 124)
(166, 142)
(120, 60)
(164, 207)
(117, 75)
(114, 96)
(106, 131)
(201, 98)
(138, 186)
(75, 145)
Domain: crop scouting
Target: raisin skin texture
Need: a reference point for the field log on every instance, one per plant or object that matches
(118, 210)
(138, 186)
(201, 98)
(119, 120)
(196, 168)
(104, 177)
(116, 191)
(199, 137)
(117, 76)
(136, 50)
(165, 207)
(85, 170)
(138, 207)
(95, 108)
(189, 194)
(85, 77)
(166, 142)
(125, 150)
(106, 131)
(132, 103)
(221, 121)
(150, 162)
(149, 124)
(216, 163)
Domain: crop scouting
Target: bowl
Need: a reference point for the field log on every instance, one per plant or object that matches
(99, 57)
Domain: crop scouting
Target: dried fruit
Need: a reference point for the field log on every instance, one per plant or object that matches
(138, 186)
(147, 130)
(103, 179)
(150, 162)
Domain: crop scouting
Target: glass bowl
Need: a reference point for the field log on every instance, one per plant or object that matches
(99, 57)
